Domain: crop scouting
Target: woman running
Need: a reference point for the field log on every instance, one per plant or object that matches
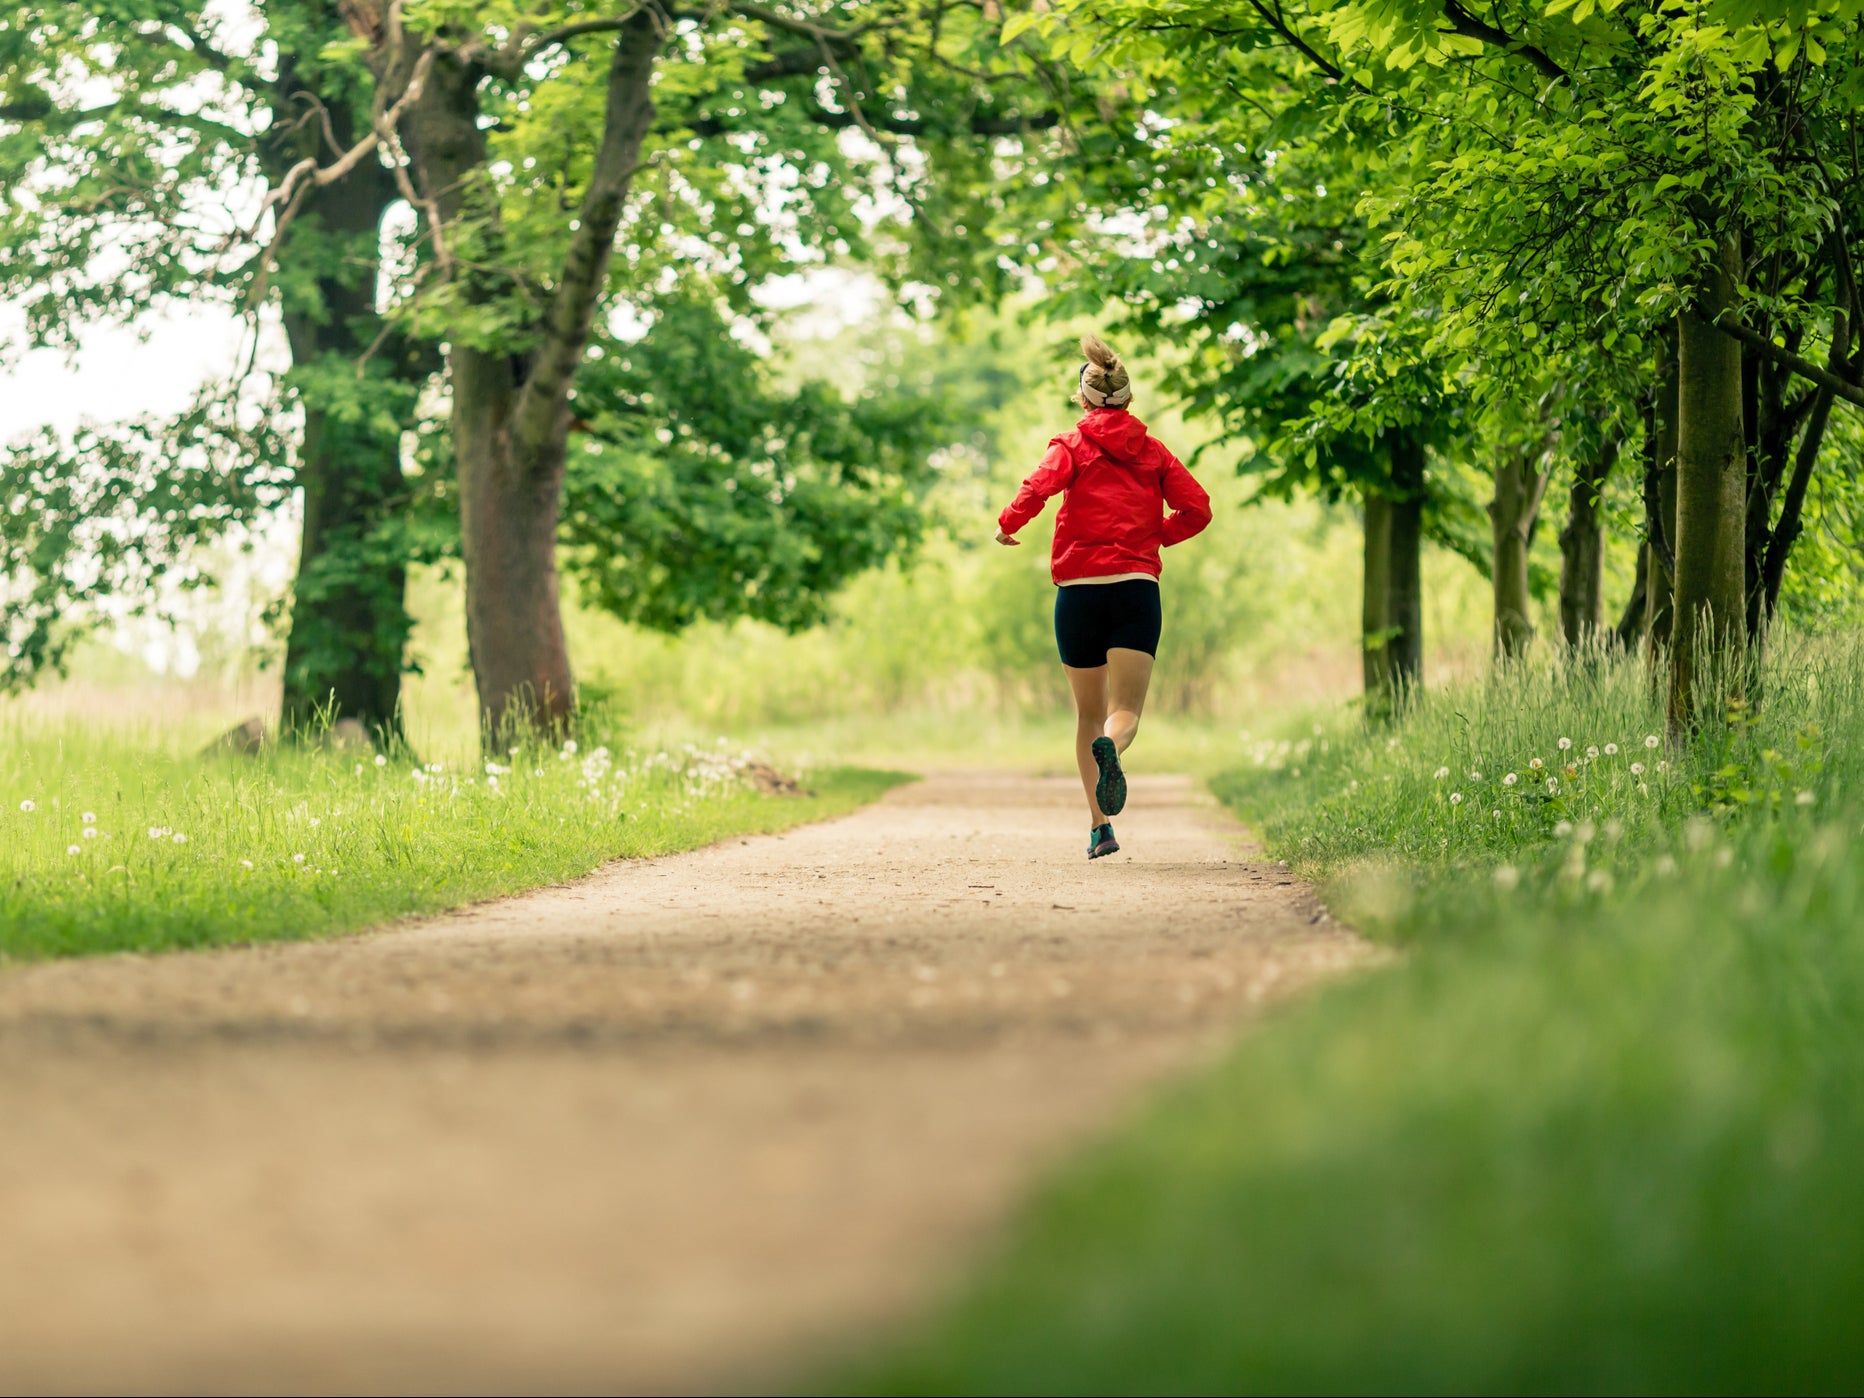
(1116, 482)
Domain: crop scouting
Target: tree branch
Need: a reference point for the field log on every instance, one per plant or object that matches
(1470, 27)
(1825, 378)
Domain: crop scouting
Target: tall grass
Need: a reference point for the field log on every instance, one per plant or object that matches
(117, 845)
(1596, 1130)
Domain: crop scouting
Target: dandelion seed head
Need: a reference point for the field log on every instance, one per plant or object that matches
(28, 807)
(1565, 743)
(88, 818)
(1553, 784)
(1652, 741)
(1805, 798)
(1535, 764)
(73, 849)
(247, 863)
(1456, 798)
(1637, 769)
(1510, 779)
(90, 832)
(1592, 752)
(381, 760)
(297, 859)
(1441, 773)
(180, 838)
(1611, 749)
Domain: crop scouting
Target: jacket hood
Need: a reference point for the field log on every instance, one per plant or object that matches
(1115, 431)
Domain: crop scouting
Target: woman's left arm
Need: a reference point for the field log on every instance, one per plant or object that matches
(1190, 504)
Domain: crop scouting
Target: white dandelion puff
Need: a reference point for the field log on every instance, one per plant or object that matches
(1611, 749)
(1456, 798)
(1510, 779)
(1565, 743)
(1475, 776)
(381, 760)
(73, 849)
(1535, 764)
(245, 864)
(1805, 798)
(88, 818)
(180, 838)
(28, 807)
(90, 832)
(297, 859)
(1637, 769)
(1441, 773)
(1552, 785)
(1592, 752)
(1653, 741)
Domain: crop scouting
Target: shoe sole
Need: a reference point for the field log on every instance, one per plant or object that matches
(1110, 789)
(1101, 851)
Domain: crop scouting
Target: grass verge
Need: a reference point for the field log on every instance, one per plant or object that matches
(119, 847)
(1599, 1129)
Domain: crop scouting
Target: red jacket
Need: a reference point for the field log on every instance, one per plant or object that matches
(1118, 481)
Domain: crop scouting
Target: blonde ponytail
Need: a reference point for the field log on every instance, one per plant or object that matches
(1104, 382)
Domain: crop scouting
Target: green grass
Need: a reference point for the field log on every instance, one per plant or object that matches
(1599, 1128)
(119, 845)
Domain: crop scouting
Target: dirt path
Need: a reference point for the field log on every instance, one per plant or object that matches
(674, 1125)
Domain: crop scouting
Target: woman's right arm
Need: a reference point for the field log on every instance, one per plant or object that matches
(1052, 477)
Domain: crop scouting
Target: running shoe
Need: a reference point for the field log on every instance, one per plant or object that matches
(1110, 790)
(1100, 841)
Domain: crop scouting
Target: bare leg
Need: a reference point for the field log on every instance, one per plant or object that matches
(1090, 721)
(1129, 673)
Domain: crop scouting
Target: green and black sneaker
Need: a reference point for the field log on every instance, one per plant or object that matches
(1110, 790)
(1100, 841)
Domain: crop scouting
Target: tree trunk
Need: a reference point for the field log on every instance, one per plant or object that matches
(1631, 620)
(1582, 550)
(1375, 603)
(1711, 479)
(349, 616)
(1792, 506)
(1511, 526)
(1405, 615)
(345, 649)
(511, 415)
(1660, 504)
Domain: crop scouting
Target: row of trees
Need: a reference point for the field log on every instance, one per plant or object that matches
(1400, 237)
(1444, 258)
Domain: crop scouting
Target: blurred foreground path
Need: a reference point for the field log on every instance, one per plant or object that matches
(688, 1123)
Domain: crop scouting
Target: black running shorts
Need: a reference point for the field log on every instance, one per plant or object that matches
(1091, 617)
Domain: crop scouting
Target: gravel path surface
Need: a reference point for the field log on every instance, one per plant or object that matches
(680, 1124)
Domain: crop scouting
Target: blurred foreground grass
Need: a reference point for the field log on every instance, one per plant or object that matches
(1598, 1130)
(128, 844)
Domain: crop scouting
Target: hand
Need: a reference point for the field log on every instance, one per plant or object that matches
(1009, 539)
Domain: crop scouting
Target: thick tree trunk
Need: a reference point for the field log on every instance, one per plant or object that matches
(349, 617)
(1711, 480)
(1512, 511)
(1582, 550)
(345, 649)
(1405, 616)
(511, 415)
(1375, 601)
